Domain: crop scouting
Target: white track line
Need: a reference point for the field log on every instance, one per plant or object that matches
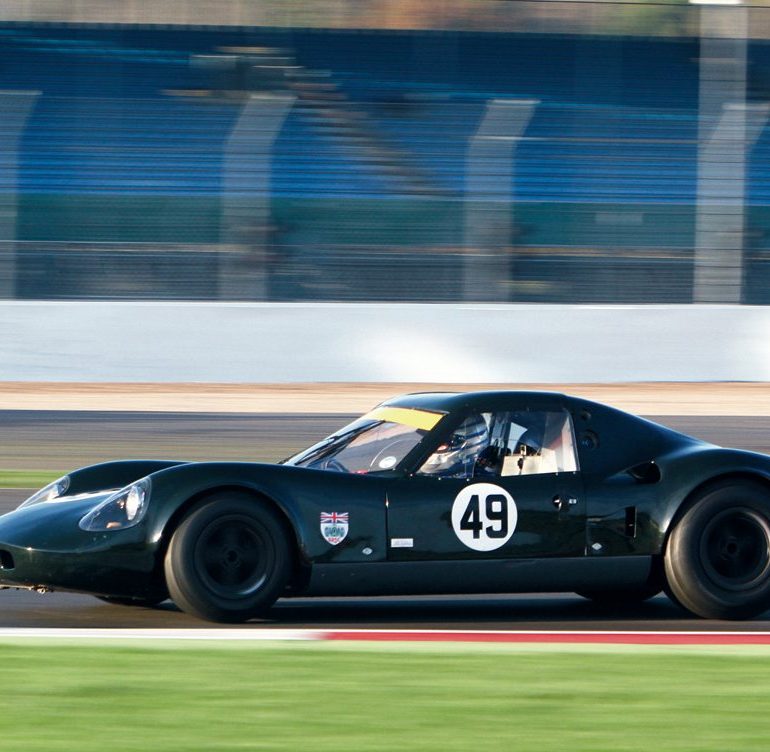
(165, 634)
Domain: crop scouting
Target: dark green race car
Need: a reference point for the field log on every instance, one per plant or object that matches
(485, 492)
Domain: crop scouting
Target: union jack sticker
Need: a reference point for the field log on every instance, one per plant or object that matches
(334, 526)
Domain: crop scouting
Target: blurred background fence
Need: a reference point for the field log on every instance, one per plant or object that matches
(568, 152)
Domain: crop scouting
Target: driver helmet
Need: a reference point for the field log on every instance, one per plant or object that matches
(457, 455)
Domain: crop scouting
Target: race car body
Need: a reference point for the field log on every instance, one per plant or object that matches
(427, 493)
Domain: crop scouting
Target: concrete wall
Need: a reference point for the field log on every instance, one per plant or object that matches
(286, 342)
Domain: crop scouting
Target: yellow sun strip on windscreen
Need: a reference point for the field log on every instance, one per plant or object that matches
(421, 419)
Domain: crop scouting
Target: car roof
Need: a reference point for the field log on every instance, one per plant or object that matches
(492, 400)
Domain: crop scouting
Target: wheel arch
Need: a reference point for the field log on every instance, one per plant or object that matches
(199, 498)
(691, 499)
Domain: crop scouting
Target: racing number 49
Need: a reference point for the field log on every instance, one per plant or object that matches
(495, 512)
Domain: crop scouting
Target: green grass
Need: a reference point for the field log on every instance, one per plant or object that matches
(328, 697)
(27, 478)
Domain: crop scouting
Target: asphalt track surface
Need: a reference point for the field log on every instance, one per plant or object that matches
(63, 440)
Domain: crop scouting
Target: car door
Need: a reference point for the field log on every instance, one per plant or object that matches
(526, 502)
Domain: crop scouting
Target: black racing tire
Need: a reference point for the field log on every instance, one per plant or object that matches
(229, 559)
(717, 559)
(624, 597)
(116, 600)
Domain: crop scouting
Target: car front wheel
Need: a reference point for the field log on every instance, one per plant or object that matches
(717, 560)
(229, 559)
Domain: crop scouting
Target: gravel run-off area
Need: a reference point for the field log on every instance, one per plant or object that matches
(651, 398)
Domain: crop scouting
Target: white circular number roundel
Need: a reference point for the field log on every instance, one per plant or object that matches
(484, 516)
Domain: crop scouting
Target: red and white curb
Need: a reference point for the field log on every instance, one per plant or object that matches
(552, 637)
(556, 637)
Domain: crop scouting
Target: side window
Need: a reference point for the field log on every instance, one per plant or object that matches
(490, 445)
(539, 442)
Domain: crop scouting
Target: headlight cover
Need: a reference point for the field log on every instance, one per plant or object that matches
(125, 508)
(51, 492)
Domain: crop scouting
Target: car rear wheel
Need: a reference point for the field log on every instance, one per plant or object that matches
(717, 560)
(229, 559)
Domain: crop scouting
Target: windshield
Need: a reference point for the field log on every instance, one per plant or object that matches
(378, 441)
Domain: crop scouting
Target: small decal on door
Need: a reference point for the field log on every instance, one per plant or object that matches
(334, 526)
(484, 516)
(402, 542)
